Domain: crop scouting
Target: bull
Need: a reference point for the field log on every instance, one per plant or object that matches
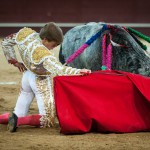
(127, 53)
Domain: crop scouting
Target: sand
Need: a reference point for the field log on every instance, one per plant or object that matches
(31, 138)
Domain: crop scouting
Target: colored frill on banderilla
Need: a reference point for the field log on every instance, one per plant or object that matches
(106, 53)
(140, 35)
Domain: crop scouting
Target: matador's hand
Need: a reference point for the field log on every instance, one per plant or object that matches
(20, 66)
(85, 71)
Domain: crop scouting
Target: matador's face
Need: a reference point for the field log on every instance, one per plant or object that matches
(49, 44)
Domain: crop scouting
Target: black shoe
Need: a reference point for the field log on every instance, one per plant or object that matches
(12, 122)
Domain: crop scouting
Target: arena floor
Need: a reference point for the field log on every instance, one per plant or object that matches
(31, 138)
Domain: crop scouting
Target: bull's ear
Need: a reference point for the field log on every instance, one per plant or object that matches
(61, 57)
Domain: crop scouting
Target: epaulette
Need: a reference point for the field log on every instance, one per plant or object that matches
(39, 54)
(23, 34)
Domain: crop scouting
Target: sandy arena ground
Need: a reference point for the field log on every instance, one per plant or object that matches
(30, 138)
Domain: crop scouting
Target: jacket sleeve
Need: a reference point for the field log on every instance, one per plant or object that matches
(8, 44)
(52, 65)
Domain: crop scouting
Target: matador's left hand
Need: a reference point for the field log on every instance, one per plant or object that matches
(20, 66)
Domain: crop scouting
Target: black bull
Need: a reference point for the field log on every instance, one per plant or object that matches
(130, 58)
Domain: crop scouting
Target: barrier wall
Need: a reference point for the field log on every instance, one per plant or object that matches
(76, 11)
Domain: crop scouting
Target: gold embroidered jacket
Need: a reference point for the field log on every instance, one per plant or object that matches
(35, 56)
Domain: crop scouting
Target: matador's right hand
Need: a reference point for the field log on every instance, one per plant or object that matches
(85, 71)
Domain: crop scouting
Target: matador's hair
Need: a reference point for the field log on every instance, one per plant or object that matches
(52, 32)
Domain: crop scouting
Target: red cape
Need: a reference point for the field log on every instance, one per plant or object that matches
(104, 101)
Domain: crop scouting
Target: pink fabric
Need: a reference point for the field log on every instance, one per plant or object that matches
(32, 120)
(4, 118)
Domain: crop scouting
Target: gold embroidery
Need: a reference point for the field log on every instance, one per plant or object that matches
(24, 33)
(39, 53)
(45, 87)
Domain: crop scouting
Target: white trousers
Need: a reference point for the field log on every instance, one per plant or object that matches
(28, 91)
